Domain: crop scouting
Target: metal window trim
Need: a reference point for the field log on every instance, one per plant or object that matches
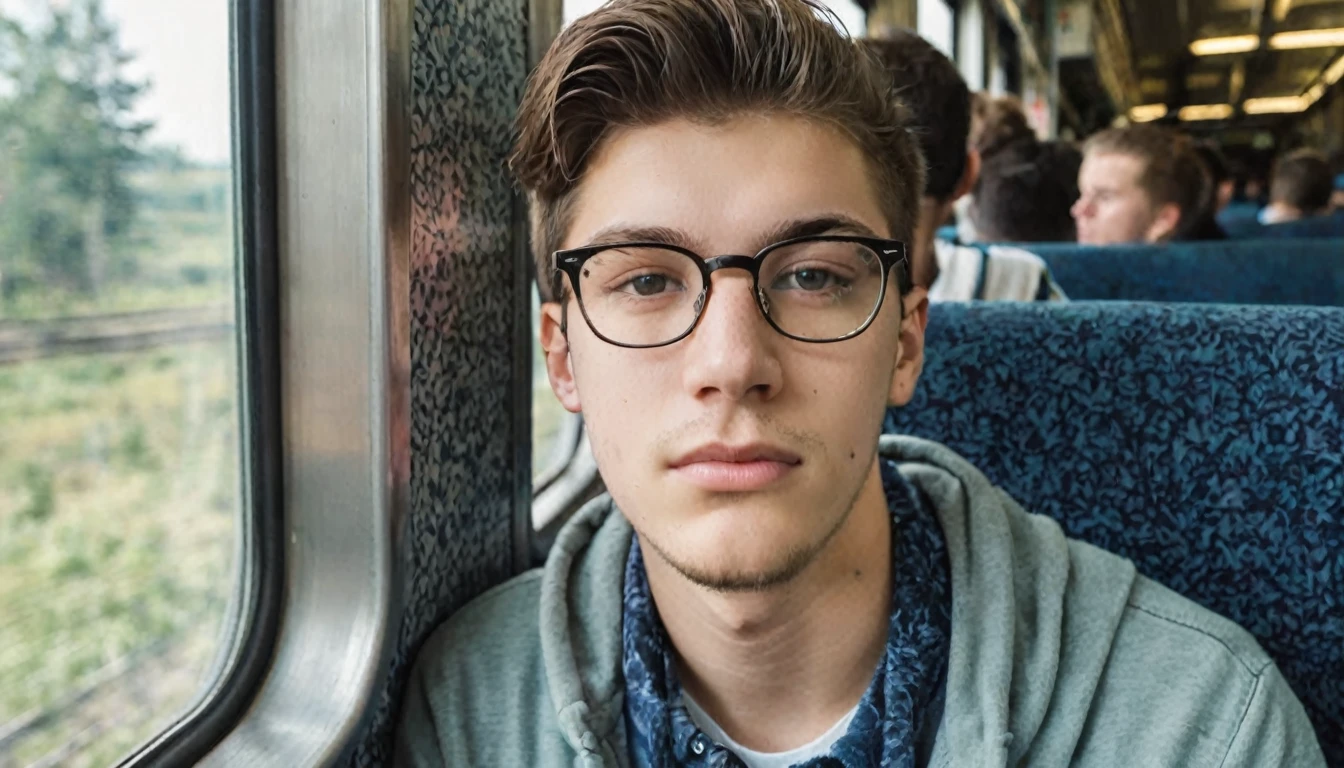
(342, 207)
(255, 612)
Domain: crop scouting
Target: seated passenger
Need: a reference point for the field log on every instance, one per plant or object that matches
(1300, 188)
(1025, 193)
(766, 585)
(996, 124)
(928, 84)
(1139, 184)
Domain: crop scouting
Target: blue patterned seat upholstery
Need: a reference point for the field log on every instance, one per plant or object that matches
(1225, 271)
(1205, 443)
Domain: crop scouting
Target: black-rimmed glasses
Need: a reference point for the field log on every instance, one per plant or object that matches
(820, 289)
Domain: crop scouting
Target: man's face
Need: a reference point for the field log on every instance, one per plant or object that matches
(735, 452)
(1112, 207)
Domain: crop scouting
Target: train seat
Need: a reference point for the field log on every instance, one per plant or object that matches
(1205, 443)
(1330, 225)
(1229, 271)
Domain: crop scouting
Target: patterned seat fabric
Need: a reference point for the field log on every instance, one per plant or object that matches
(1205, 443)
(1227, 271)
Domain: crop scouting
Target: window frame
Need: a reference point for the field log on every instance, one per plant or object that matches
(254, 616)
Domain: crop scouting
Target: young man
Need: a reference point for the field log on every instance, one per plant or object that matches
(764, 586)
(1140, 184)
(1300, 188)
(928, 84)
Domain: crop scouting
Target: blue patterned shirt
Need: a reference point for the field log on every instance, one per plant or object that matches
(896, 717)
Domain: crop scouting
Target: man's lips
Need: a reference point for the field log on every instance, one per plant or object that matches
(735, 468)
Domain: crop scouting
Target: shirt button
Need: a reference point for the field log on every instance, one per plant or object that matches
(698, 746)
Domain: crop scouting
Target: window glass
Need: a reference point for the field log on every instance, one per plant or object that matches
(936, 24)
(119, 431)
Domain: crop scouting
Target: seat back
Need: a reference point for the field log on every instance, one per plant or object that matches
(1330, 225)
(1205, 443)
(1227, 271)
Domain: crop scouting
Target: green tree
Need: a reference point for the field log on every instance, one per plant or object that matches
(67, 139)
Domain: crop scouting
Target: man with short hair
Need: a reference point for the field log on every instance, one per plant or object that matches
(1139, 184)
(928, 84)
(721, 192)
(1300, 188)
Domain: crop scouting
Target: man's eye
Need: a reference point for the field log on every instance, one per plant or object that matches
(647, 285)
(806, 280)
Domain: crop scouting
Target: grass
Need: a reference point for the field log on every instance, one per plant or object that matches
(118, 517)
(119, 497)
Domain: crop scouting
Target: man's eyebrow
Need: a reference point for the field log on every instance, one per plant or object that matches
(622, 233)
(825, 224)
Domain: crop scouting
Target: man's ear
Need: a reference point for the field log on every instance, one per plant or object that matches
(559, 365)
(1164, 223)
(969, 175)
(910, 360)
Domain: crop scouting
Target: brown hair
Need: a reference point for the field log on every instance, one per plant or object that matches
(641, 62)
(930, 86)
(1303, 180)
(1172, 170)
(1000, 122)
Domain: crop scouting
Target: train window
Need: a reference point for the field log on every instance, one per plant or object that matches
(120, 462)
(937, 24)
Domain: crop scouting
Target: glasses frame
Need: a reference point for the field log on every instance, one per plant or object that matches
(891, 254)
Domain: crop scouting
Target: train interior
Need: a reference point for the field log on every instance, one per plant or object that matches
(273, 404)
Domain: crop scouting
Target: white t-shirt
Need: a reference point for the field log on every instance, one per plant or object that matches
(998, 273)
(816, 748)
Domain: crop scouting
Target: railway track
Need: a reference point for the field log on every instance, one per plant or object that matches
(24, 340)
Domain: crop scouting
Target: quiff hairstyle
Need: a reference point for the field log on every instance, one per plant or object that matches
(1172, 169)
(642, 62)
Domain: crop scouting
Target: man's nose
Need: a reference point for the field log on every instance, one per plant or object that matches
(733, 350)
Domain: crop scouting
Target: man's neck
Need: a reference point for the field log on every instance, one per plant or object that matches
(777, 669)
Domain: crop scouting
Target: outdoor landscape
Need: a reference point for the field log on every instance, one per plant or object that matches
(119, 453)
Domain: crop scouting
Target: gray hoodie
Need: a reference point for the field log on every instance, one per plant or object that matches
(1060, 655)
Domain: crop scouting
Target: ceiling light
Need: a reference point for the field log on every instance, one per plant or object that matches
(1308, 38)
(1273, 104)
(1205, 112)
(1214, 46)
(1313, 94)
(1281, 9)
(1147, 112)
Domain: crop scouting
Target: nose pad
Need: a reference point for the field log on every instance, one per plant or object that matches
(764, 300)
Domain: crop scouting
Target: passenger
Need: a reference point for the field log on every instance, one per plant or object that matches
(928, 84)
(1300, 188)
(1337, 168)
(1220, 188)
(766, 586)
(1139, 184)
(996, 123)
(1025, 193)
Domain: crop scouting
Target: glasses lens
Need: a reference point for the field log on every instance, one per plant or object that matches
(642, 295)
(821, 289)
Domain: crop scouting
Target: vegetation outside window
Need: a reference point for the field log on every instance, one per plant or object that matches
(119, 426)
